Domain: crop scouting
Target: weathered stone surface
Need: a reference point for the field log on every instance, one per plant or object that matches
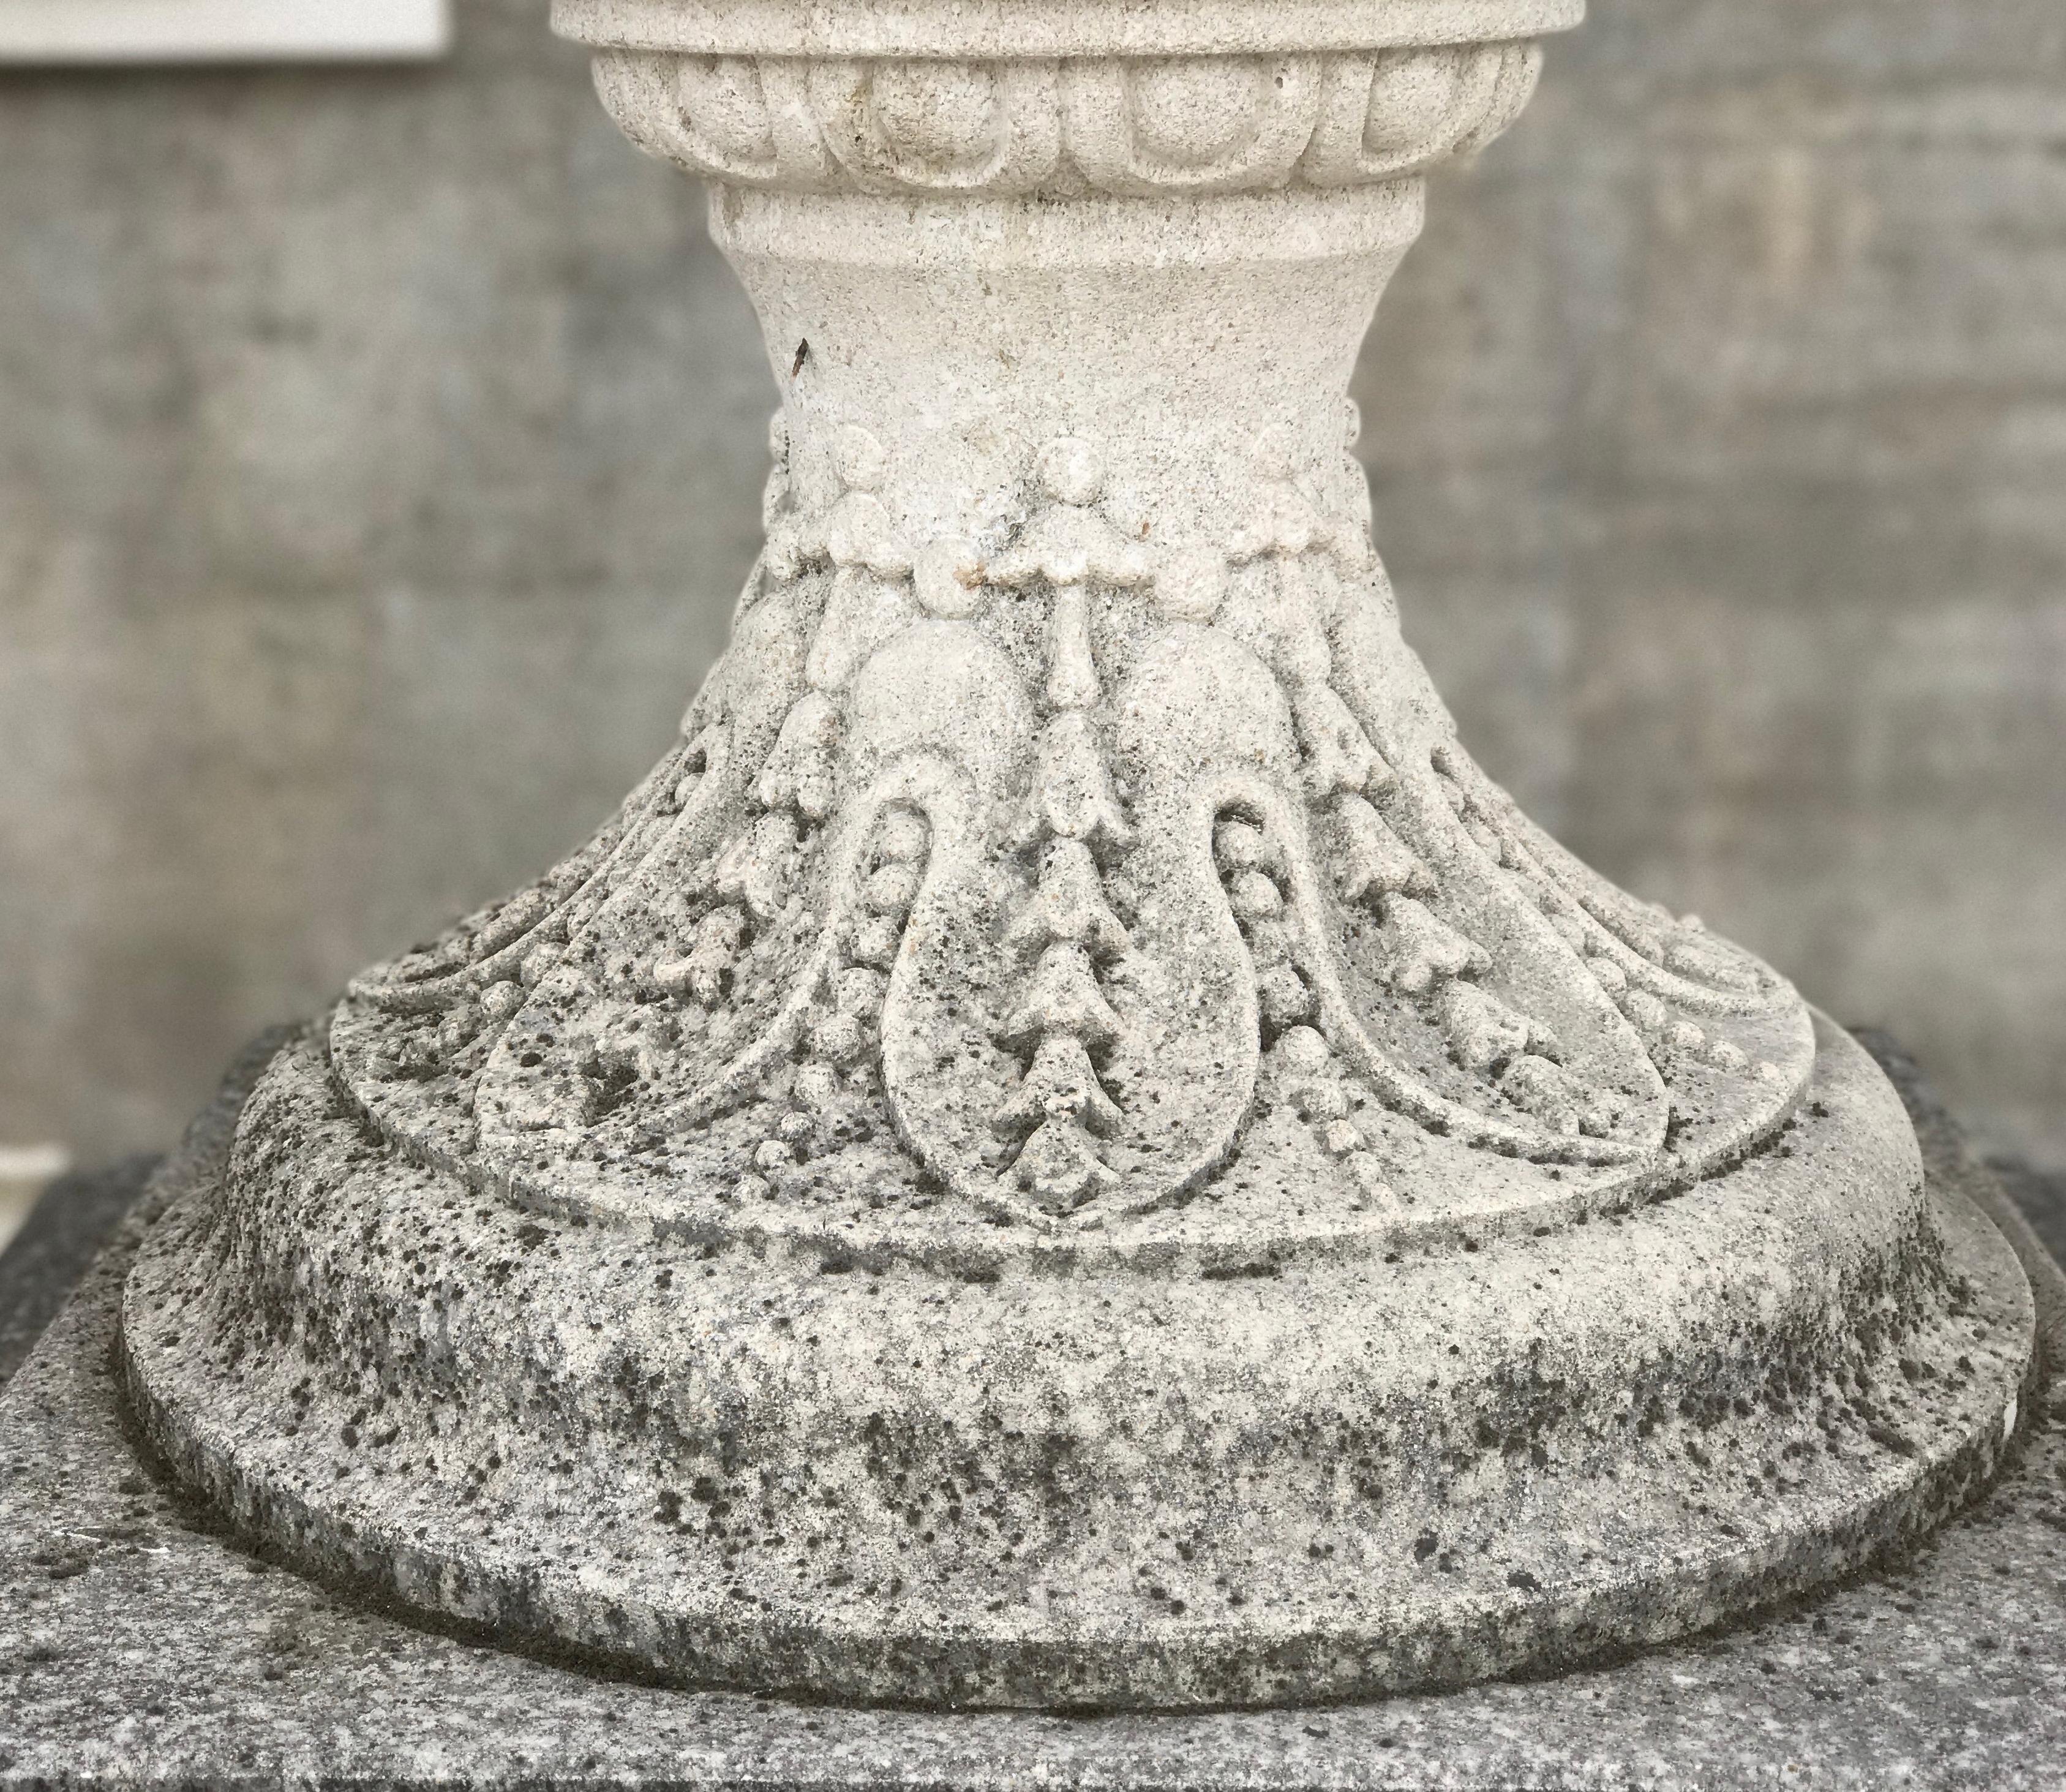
(1068, 1147)
(1939, 1669)
(1164, 1475)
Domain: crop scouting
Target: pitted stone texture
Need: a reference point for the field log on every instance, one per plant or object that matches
(1155, 1481)
(1940, 1669)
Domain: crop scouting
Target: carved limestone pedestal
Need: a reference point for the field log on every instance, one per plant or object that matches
(1068, 1147)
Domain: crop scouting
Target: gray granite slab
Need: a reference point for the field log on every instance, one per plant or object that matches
(63, 1234)
(140, 1648)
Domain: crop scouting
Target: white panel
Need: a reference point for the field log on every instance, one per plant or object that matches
(220, 30)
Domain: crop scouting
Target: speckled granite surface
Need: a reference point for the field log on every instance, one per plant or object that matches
(138, 1648)
(63, 1234)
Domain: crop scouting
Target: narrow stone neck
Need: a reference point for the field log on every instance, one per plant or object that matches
(1164, 258)
(1177, 338)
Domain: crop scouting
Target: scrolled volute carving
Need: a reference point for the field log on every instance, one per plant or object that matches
(1142, 126)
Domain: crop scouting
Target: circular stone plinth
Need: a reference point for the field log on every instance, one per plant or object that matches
(1317, 1474)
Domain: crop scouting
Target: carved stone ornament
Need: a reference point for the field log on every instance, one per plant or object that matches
(1067, 1146)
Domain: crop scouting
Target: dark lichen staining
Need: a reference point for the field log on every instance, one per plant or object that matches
(702, 1346)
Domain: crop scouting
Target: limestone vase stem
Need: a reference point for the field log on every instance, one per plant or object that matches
(1068, 1147)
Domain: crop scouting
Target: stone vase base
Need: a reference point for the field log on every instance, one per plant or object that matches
(1068, 1147)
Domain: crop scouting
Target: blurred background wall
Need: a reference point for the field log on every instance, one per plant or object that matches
(380, 452)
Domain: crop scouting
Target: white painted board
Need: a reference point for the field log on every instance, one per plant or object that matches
(221, 30)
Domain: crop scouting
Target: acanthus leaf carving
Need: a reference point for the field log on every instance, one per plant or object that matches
(1141, 878)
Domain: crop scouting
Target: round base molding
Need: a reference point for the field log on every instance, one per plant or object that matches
(1319, 1476)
